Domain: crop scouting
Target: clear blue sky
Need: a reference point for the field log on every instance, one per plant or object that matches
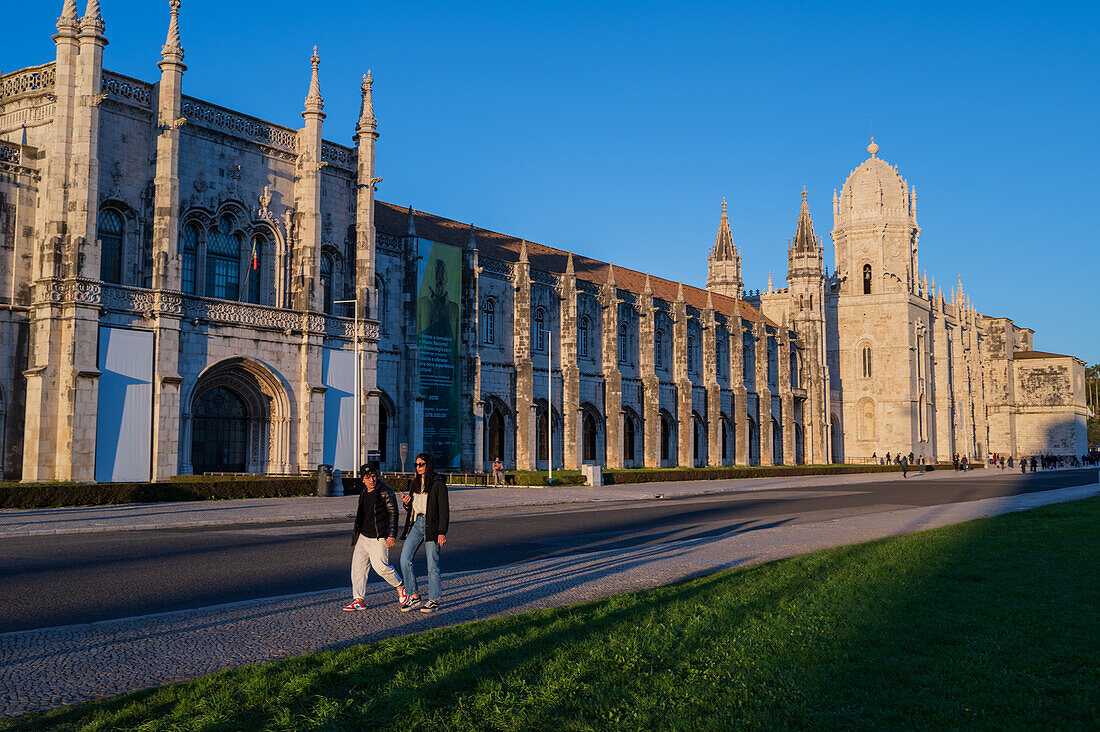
(615, 129)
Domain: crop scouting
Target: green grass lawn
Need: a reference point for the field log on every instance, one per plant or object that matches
(991, 624)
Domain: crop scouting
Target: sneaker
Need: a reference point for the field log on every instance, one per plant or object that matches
(430, 607)
(409, 604)
(402, 596)
(356, 605)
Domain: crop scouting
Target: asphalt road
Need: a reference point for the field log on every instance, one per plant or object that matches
(47, 581)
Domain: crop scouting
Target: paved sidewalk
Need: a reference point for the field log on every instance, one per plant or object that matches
(46, 521)
(47, 668)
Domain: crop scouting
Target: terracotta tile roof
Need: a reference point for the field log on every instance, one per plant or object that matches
(394, 220)
(1039, 354)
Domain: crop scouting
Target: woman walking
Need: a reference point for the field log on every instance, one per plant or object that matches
(427, 514)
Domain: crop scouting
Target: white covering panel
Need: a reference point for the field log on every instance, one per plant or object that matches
(124, 419)
(338, 375)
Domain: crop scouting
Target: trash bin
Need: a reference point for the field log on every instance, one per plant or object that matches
(337, 482)
(324, 480)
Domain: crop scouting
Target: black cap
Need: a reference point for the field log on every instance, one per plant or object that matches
(370, 467)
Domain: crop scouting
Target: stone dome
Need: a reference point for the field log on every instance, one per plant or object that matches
(875, 191)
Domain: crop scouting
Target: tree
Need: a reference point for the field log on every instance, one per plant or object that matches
(1092, 399)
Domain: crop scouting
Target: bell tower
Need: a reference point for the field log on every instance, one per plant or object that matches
(724, 262)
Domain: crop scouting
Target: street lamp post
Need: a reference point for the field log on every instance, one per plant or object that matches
(358, 387)
(549, 408)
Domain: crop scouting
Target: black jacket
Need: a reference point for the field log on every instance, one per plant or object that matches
(439, 511)
(381, 522)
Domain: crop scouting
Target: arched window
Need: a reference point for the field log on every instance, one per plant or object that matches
(628, 438)
(252, 274)
(540, 329)
(718, 356)
(866, 279)
(665, 437)
(489, 321)
(326, 283)
(223, 261)
(380, 293)
(866, 361)
(110, 237)
(691, 354)
(801, 303)
(589, 438)
(190, 249)
(582, 338)
(541, 436)
(495, 443)
(811, 303)
(660, 346)
(622, 342)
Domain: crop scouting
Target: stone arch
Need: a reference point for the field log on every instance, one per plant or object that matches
(729, 441)
(777, 442)
(836, 441)
(593, 450)
(542, 449)
(500, 433)
(698, 440)
(865, 412)
(799, 445)
(633, 439)
(268, 414)
(669, 443)
(754, 440)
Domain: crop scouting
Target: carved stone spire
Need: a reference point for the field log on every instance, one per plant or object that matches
(69, 22)
(724, 249)
(471, 242)
(523, 251)
(92, 22)
(314, 103)
(710, 301)
(366, 109)
(173, 46)
(410, 229)
(610, 274)
(648, 287)
(569, 265)
(680, 292)
(805, 240)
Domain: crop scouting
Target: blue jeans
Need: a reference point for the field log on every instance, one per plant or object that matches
(408, 551)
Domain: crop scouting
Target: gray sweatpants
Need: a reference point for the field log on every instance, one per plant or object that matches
(374, 552)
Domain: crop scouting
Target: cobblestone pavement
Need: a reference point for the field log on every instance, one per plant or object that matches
(45, 669)
(86, 519)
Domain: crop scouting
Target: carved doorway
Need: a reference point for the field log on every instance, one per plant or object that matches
(219, 442)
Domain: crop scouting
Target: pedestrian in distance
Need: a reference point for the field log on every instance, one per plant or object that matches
(1023, 465)
(498, 473)
(427, 515)
(374, 534)
(904, 467)
(1034, 463)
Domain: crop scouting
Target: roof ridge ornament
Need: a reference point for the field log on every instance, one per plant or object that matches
(872, 148)
(69, 19)
(314, 102)
(93, 18)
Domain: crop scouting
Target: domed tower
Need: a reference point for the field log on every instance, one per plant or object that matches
(875, 230)
(724, 262)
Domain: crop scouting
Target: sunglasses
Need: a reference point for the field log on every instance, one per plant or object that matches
(420, 463)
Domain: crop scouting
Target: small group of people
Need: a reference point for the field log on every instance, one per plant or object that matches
(960, 462)
(907, 462)
(427, 515)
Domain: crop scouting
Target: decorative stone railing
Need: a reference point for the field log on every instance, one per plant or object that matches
(209, 115)
(151, 303)
(338, 155)
(36, 78)
(129, 90)
(10, 153)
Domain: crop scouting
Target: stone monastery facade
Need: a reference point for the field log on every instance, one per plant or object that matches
(185, 288)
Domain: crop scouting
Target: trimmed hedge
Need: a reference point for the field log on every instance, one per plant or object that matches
(56, 495)
(626, 477)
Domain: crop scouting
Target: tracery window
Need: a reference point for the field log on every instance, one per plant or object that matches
(866, 361)
(660, 347)
(109, 232)
(691, 354)
(718, 356)
(489, 321)
(582, 337)
(190, 250)
(380, 293)
(326, 282)
(223, 261)
(252, 273)
(540, 329)
(622, 342)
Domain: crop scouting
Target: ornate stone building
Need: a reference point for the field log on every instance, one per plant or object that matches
(186, 288)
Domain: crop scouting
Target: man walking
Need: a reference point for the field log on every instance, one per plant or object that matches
(374, 535)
